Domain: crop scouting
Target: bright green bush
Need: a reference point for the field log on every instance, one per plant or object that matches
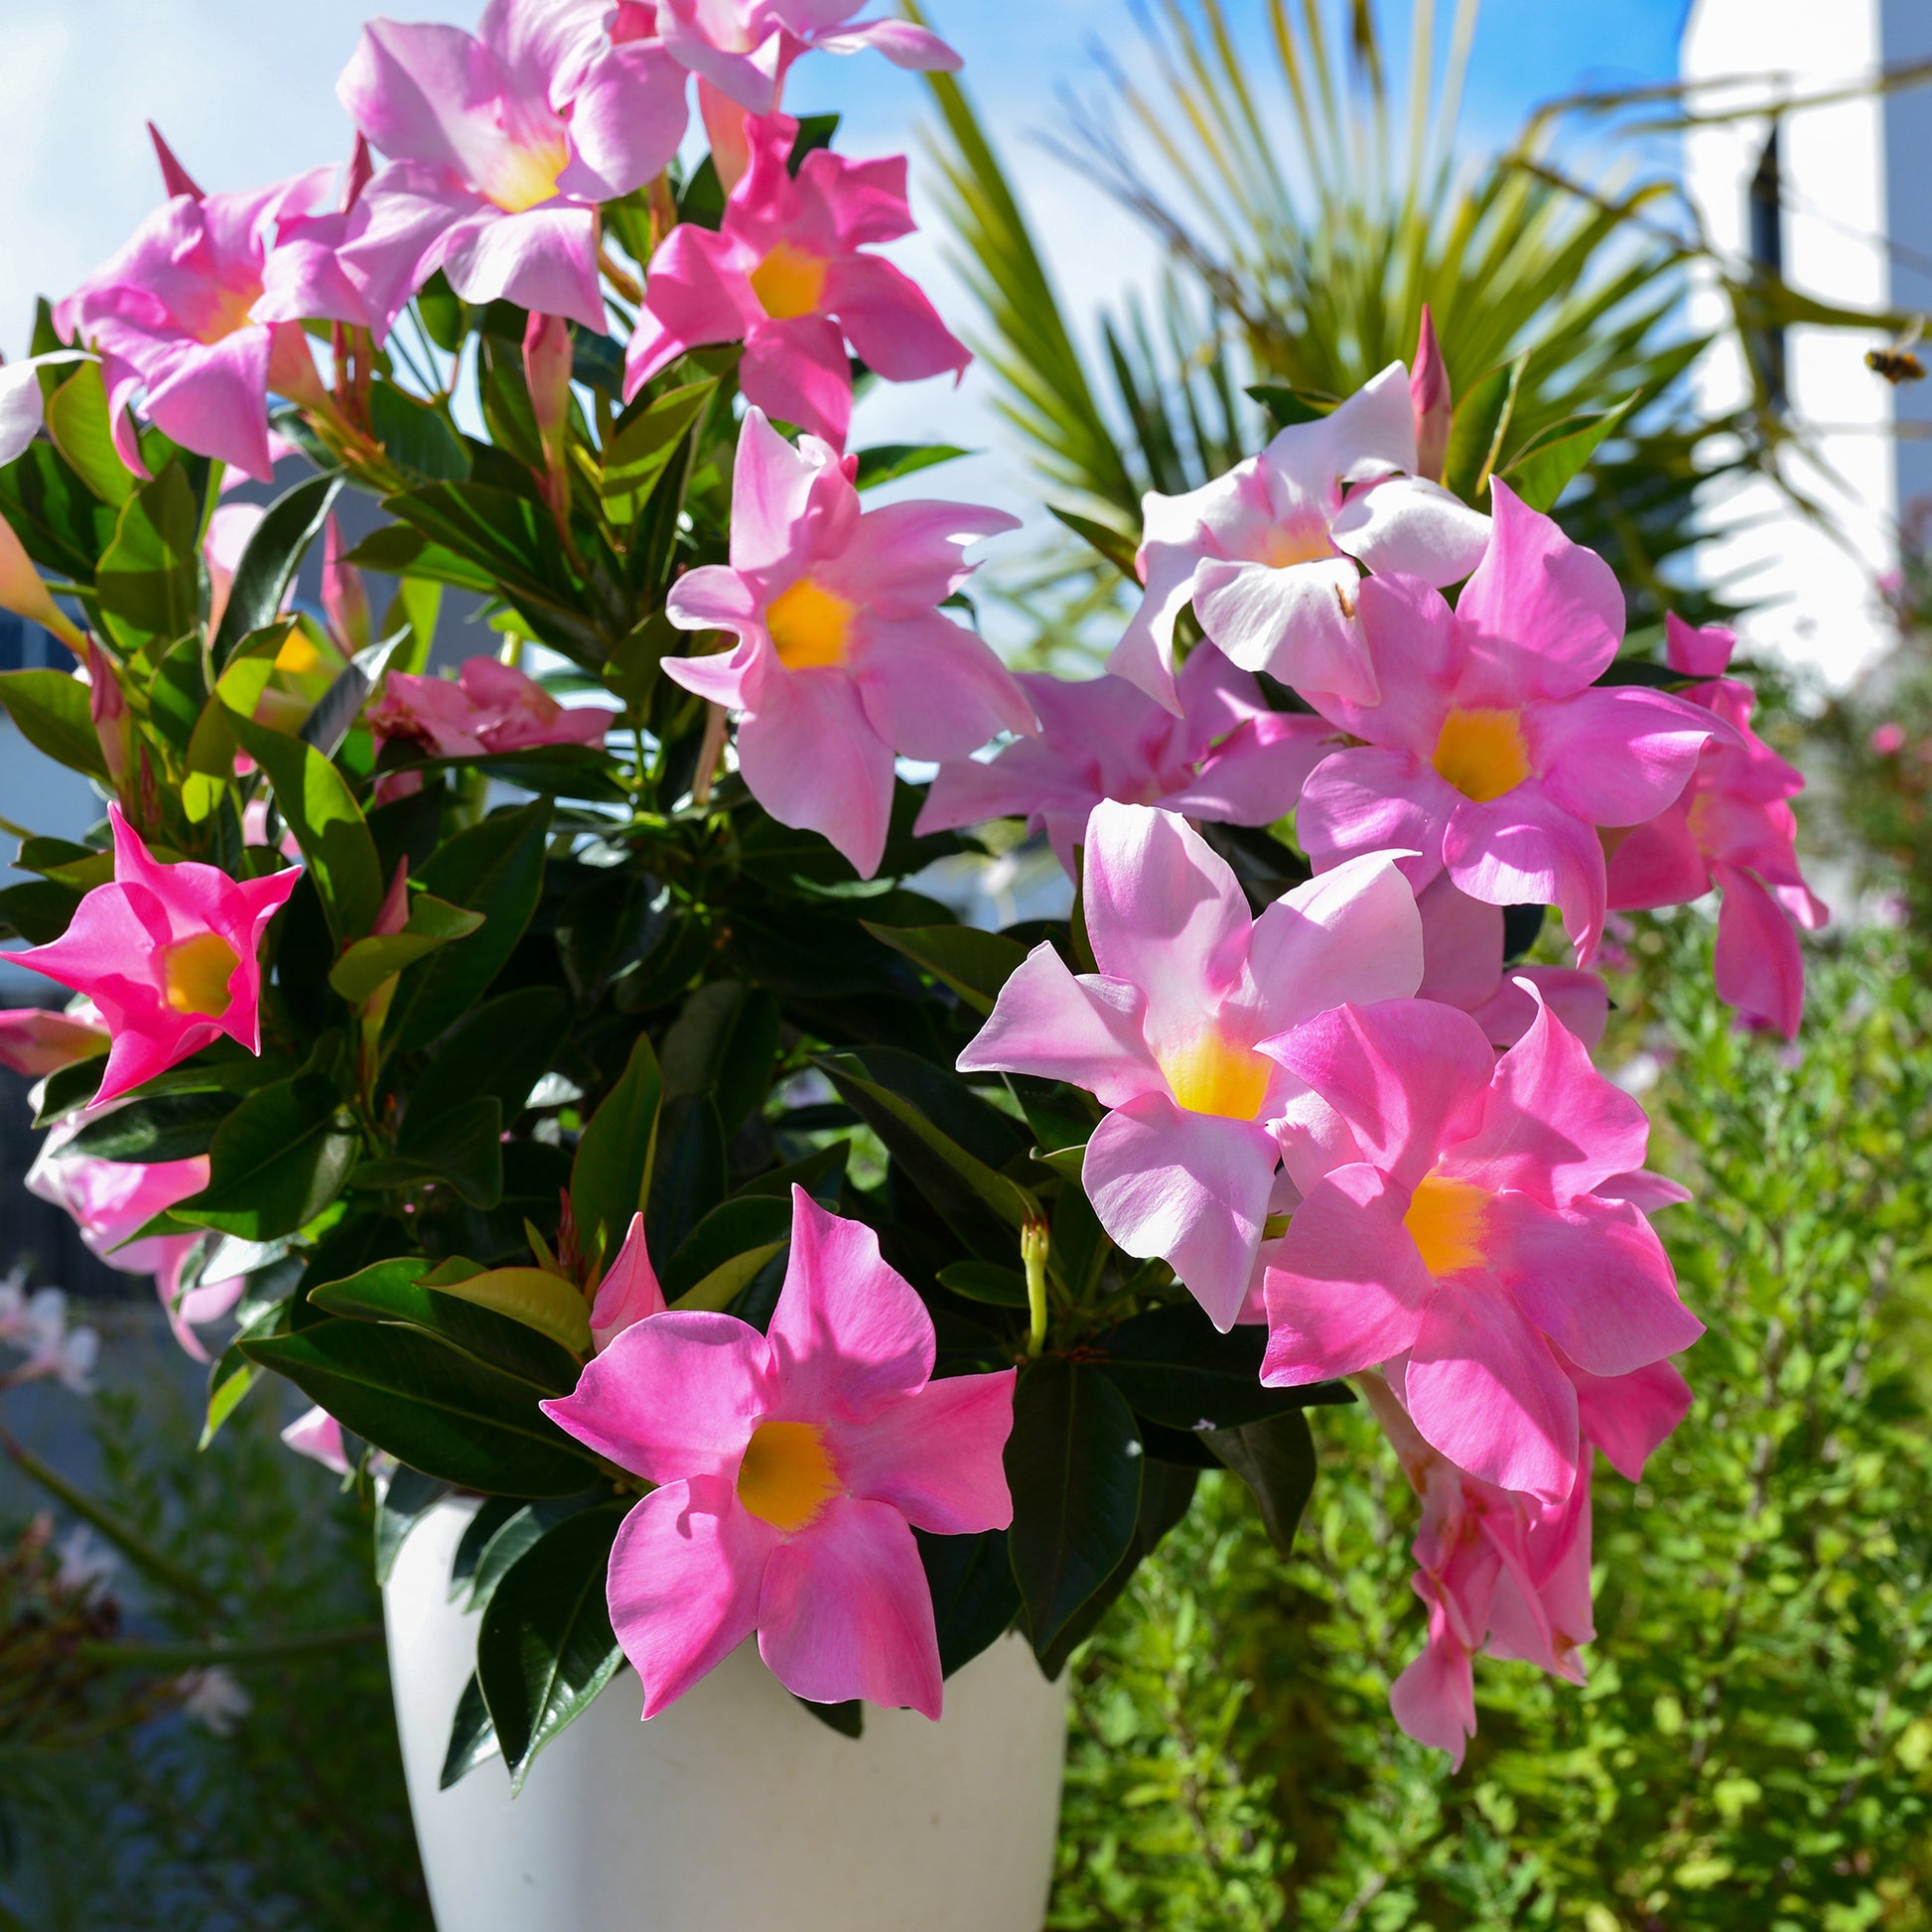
(1754, 1748)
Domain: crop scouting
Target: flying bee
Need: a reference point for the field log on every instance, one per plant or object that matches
(1897, 364)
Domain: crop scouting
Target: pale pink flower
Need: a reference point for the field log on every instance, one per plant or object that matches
(743, 48)
(489, 709)
(316, 1435)
(844, 660)
(36, 1042)
(171, 956)
(22, 404)
(1227, 759)
(788, 275)
(1166, 1035)
(1271, 554)
(500, 145)
(1473, 1214)
(199, 316)
(792, 1468)
(1490, 753)
(1462, 966)
(1732, 827)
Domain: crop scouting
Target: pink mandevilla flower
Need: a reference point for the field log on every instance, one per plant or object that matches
(743, 48)
(1269, 554)
(1228, 758)
(1471, 1213)
(170, 954)
(1489, 752)
(500, 145)
(202, 311)
(1733, 828)
(1166, 1035)
(843, 657)
(788, 275)
(1463, 943)
(36, 1043)
(793, 1470)
(490, 708)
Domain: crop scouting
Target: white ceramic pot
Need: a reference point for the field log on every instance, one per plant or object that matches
(734, 1810)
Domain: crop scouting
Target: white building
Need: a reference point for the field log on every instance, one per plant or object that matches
(1838, 199)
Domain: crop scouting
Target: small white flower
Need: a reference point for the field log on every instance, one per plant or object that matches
(86, 1566)
(213, 1699)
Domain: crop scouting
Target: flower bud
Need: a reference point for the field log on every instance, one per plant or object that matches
(1429, 393)
(173, 176)
(107, 706)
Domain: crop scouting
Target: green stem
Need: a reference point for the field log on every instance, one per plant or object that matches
(202, 1656)
(131, 1544)
(1033, 1245)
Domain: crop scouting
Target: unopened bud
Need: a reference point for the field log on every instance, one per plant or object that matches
(1429, 395)
(175, 178)
(107, 706)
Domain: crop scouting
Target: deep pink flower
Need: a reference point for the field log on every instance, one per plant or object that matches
(170, 954)
(1462, 966)
(316, 1435)
(500, 145)
(201, 310)
(793, 1470)
(110, 1202)
(843, 659)
(1269, 554)
(628, 1292)
(1166, 1034)
(788, 275)
(488, 709)
(1490, 753)
(1887, 739)
(36, 1043)
(743, 48)
(1228, 758)
(1471, 1213)
(1732, 827)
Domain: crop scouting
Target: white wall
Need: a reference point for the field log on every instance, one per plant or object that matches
(1822, 608)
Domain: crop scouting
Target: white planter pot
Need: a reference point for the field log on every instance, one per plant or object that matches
(733, 1810)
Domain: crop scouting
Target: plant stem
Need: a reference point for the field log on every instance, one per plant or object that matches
(202, 1656)
(131, 1544)
(1033, 1245)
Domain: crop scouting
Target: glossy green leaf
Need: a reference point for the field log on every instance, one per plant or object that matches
(78, 422)
(1542, 473)
(1114, 544)
(974, 1600)
(1276, 1459)
(689, 1172)
(752, 1224)
(610, 1180)
(277, 1162)
(473, 1738)
(1074, 1465)
(973, 963)
(500, 1049)
(986, 1281)
(645, 440)
(546, 1647)
(531, 1296)
(461, 1149)
(515, 1534)
(150, 577)
(407, 1497)
(50, 710)
(1173, 1365)
(272, 557)
(172, 1127)
(429, 1406)
(886, 463)
(432, 922)
(415, 437)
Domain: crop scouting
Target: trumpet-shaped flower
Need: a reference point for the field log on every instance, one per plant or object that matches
(1269, 554)
(843, 659)
(788, 275)
(1228, 758)
(1490, 753)
(500, 145)
(1732, 827)
(1167, 1033)
(1468, 1212)
(489, 709)
(202, 311)
(1462, 941)
(170, 954)
(743, 48)
(36, 1042)
(792, 1468)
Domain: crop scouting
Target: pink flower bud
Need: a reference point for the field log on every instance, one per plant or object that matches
(175, 178)
(344, 597)
(107, 706)
(1429, 392)
(546, 367)
(357, 176)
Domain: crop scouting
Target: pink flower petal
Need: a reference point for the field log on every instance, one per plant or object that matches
(919, 48)
(213, 401)
(1618, 756)
(1433, 1699)
(1408, 525)
(813, 761)
(1658, 864)
(628, 115)
(543, 260)
(696, 295)
(1524, 849)
(1300, 623)
(1366, 799)
(1759, 966)
(936, 1456)
(1628, 1415)
(933, 689)
(1351, 934)
(630, 1291)
(892, 326)
(797, 371)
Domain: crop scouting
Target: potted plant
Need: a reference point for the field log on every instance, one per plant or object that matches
(708, 1255)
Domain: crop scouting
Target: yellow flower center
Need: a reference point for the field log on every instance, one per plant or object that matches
(195, 975)
(787, 1476)
(525, 176)
(228, 311)
(1305, 540)
(1210, 1075)
(1446, 1221)
(788, 282)
(1482, 753)
(809, 625)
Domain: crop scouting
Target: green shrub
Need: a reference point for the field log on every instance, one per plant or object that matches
(1753, 1749)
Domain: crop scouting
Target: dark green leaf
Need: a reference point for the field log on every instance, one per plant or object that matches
(463, 1148)
(50, 710)
(973, 963)
(277, 1162)
(974, 1597)
(1074, 1465)
(885, 462)
(500, 1049)
(611, 1179)
(647, 438)
(407, 1497)
(517, 1533)
(688, 1173)
(415, 438)
(473, 1738)
(986, 1280)
(490, 1517)
(174, 1127)
(1173, 1365)
(1113, 544)
(732, 1228)
(150, 577)
(271, 559)
(1276, 1459)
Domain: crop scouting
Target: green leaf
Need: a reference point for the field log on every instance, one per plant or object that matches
(38, 910)
(986, 1281)
(726, 1039)
(500, 1049)
(277, 1162)
(1289, 407)
(271, 559)
(461, 1148)
(512, 539)
(495, 868)
(177, 690)
(415, 438)
(1116, 545)
(473, 1738)
(885, 462)
(1540, 473)
(50, 710)
(150, 577)
(973, 963)
(520, 1531)
(753, 1224)
(546, 1647)
(321, 810)
(688, 1172)
(174, 1127)
(407, 1497)
(1276, 1459)
(974, 1597)
(1479, 428)
(1174, 1367)
(638, 453)
(432, 922)
(610, 1180)
(429, 1406)
(482, 1316)
(78, 420)
(60, 523)
(1074, 1465)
